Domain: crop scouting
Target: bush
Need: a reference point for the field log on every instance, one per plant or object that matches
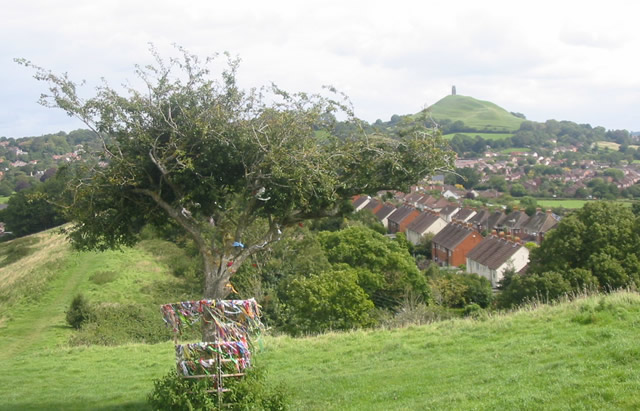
(172, 392)
(79, 311)
(115, 324)
(474, 311)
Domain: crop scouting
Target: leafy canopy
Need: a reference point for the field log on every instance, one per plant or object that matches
(227, 166)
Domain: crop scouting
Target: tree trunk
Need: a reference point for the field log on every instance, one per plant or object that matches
(216, 278)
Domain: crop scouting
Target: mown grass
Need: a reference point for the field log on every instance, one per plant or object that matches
(4, 199)
(578, 355)
(571, 203)
(486, 136)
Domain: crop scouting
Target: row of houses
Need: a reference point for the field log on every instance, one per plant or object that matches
(461, 234)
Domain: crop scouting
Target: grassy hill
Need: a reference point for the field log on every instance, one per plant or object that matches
(476, 114)
(574, 355)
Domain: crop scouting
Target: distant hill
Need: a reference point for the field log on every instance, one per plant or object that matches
(477, 115)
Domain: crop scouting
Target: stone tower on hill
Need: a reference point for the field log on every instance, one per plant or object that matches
(453, 90)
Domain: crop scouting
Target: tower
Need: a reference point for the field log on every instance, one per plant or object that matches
(453, 90)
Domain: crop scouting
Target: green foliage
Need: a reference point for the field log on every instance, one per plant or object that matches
(457, 290)
(518, 190)
(331, 300)
(30, 211)
(391, 271)
(544, 287)
(251, 393)
(474, 311)
(224, 164)
(173, 392)
(468, 177)
(601, 238)
(79, 311)
(117, 324)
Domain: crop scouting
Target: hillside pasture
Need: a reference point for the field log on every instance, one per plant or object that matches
(572, 355)
(571, 203)
(476, 114)
(486, 136)
(612, 146)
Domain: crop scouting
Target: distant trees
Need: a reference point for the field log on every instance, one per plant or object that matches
(468, 177)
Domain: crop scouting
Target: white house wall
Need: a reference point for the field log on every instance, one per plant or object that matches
(517, 262)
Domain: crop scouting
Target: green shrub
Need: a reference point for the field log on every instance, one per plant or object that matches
(415, 314)
(115, 324)
(172, 392)
(79, 311)
(474, 311)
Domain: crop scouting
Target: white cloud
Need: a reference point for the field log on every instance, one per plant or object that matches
(546, 59)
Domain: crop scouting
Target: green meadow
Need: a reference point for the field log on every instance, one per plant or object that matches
(477, 114)
(486, 136)
(580, 355)
(571, 203)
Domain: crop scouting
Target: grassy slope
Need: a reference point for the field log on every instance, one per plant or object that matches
(486, 136)
(475, 113)
(582, 355)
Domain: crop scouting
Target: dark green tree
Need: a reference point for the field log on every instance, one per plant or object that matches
(386, 269)
(601, 238)
(229, 167)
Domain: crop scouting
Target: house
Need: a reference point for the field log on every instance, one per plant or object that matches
(451, 194)
(496, 254)
(448, 212)
(384, 212)
(426, 223)
(401, 218)
(486, 221)
(360, 202)
(450, 246)
(512, 223)
(426, 202)
(413, 198)
(373, 205)
(440, 204)
(538, 225)
(464, 214)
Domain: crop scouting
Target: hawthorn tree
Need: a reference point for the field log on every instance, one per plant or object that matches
(229, 167)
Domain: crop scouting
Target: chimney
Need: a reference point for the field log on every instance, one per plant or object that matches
(538, 210)
(501, 234)
(517, 240)
(548, 211)
(494, 233)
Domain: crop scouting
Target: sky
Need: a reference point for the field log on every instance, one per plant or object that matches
(563, 60)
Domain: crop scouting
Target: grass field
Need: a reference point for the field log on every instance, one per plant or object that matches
(486, 136)
(580, 355)
(515, 149)
(570, 203)
(474, 113)
(4, 200)
(612, 146)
